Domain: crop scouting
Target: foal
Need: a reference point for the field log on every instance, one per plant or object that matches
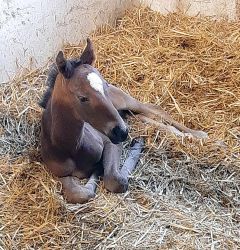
(82, 130)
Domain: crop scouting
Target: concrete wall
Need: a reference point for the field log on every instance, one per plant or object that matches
(31, 31)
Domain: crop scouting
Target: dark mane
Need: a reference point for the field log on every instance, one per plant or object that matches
(52, 75)
(51, 79)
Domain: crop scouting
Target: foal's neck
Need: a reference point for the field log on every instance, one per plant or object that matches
(67, 130)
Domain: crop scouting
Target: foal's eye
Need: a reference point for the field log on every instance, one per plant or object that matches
(83, 99)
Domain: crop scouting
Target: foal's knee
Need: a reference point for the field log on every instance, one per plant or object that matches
(115, 183)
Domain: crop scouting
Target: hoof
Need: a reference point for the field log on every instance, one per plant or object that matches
(115, 184)
(137, 143)
(200, 134)
(81, 197)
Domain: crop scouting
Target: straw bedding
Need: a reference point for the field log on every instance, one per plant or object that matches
(185, 193)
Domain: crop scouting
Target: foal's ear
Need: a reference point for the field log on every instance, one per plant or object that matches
(64, 66)
(88, 55)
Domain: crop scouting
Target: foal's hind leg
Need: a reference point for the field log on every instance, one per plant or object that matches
(133, 157)
(116, 180)
(123, 101)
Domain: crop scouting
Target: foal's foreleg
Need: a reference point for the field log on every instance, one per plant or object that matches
(148, 112)
(76, 193)
(112, 178)
(116, 180)
(69, 175)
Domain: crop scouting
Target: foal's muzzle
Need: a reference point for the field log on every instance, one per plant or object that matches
(118, 134)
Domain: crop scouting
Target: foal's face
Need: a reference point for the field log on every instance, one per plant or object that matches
(93, 105)
(87, 95)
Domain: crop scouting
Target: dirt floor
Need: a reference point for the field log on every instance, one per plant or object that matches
(185, 193)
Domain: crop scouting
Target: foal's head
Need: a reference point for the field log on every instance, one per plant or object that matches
(80, 86)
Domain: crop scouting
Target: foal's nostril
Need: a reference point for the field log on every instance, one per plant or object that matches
(124, 134)
(119, 134)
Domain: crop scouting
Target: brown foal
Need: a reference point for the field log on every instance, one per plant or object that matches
(82, 129)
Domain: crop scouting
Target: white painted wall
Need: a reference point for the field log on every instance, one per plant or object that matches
(31, 31)
(163, 6)
(214, 8)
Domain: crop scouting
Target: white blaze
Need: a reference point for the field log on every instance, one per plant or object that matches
(95, 82)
